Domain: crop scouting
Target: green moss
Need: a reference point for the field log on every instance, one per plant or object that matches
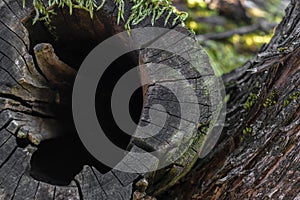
(250, 101)
(286, 103)
(247, 130)
(203, 128)
(282, 49)
(139, 11)
(227, 98)
(293, 96)
(154, 9)
(270, 101)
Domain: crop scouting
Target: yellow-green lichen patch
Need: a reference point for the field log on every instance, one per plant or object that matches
(169, 176)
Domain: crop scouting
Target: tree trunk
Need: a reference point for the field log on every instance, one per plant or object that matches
(257, 156)
(257, 151)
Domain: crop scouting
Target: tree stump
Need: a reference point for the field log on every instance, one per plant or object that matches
(257, 155)
(41, 156)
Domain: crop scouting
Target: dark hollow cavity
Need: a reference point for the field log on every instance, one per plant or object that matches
(57, 161)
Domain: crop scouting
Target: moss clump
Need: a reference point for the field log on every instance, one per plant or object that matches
(293, 96)
(282, 49)
(203, 128)
(154, 9)
(269, 103)
(271, 100)
(286, 103)
(139, 11)
(42, 12)
(250, 101)
(247, 130)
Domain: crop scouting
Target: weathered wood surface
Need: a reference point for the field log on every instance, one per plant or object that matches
(23, 110)
(32, 95)
(258, 155)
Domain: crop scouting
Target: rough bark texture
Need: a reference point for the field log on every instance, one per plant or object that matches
(257, 157)
(258, 154)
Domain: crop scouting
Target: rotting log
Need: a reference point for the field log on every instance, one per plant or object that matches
(41, 155)
(257, 156)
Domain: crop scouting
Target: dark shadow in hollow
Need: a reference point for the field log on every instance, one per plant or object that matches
(71, 48)
(58, 161)
(103, 99)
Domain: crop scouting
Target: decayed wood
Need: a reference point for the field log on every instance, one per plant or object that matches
(258, 155)
(17, 106)
(26, 98)
(31, 93)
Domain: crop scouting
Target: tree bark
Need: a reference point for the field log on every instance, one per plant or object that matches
(257, 156)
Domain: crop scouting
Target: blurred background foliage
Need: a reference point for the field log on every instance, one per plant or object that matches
(232, 31)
